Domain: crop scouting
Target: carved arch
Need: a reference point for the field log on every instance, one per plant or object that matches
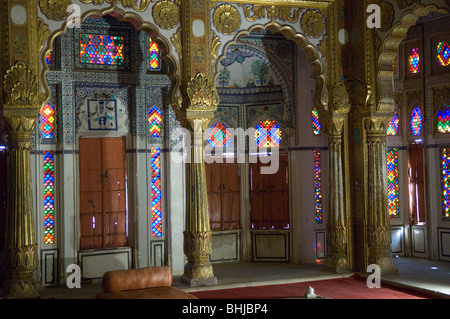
(139, 24)
(389, 51)
(312, 54)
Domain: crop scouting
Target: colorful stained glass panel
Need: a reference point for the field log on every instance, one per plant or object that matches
(443, 119)
(155, 62)
(414, 61)
(416, 122)
(48, 121)
(443, 53)
(49, 198)
(392, 174)
(219, 136)
(445, 181)
(155, 162)
(155, 119)
(101, 49)
(318, 186)
(315, 122)
(393, 125)
(268, 134)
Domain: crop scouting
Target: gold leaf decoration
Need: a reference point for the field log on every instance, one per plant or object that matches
(215, 44)
(166, 14)
(21, 86)
(313, 24)
(125, 3)
(226, 19)
(202, 93)
(176, 41)
(43, 33)
(259, 11)
(284, 14)
(55, 9)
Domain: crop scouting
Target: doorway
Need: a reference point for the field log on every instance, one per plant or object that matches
(417, 213)
(269, 212)
(103, 198)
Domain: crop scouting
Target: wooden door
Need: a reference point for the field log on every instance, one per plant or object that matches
(102, 193)
(416, 183)
(269, 196)
(223, 185)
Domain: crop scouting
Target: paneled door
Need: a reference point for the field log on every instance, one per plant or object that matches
(269, 196)
(416, 174)
(103, 211)
(223, 184)
(269, 212)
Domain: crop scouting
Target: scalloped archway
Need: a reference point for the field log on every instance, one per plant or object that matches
(390, 50)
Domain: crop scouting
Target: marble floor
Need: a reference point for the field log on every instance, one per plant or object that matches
(430, 276)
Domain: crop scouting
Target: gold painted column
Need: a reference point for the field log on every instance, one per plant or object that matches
(378, 225)
(20, 100)
(200, 100)
(337, 258)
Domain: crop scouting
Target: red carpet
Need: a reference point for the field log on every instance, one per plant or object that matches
(354, 287)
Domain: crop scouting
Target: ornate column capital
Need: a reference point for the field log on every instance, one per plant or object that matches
(377, 124)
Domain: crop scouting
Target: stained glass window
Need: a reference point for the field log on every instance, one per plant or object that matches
(393, 125)
(155, 120)
(392, 174)
(315, 122)
(101, 49)
(219, 136)
(155, 162)
(48, 58)
(318, 186)
(48, 121)
(443, 53)
(443, 119)
(445, 181)
(49, 198)
(155, 62)
(416, 122)
(268, 134)
(414, 60)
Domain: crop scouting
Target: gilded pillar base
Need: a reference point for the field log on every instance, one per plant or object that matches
(20, 265)
(198, 271)
(336, 259)
(379, 248)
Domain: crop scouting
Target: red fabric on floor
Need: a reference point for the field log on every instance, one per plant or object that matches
(353, 287)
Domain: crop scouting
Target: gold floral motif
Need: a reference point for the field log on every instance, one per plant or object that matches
(312, 23)
(226, 19)
(55, 9)
(176, 41)
(21, 86)
(259, 11)
(202, 93)
(166, 14)
(43, 33)
(125, 3)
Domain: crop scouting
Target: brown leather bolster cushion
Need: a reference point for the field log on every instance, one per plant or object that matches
(140, 278)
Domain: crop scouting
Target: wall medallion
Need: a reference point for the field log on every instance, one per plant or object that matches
(55, 9)
(166, 14)
(226, 19)
(312, 23)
